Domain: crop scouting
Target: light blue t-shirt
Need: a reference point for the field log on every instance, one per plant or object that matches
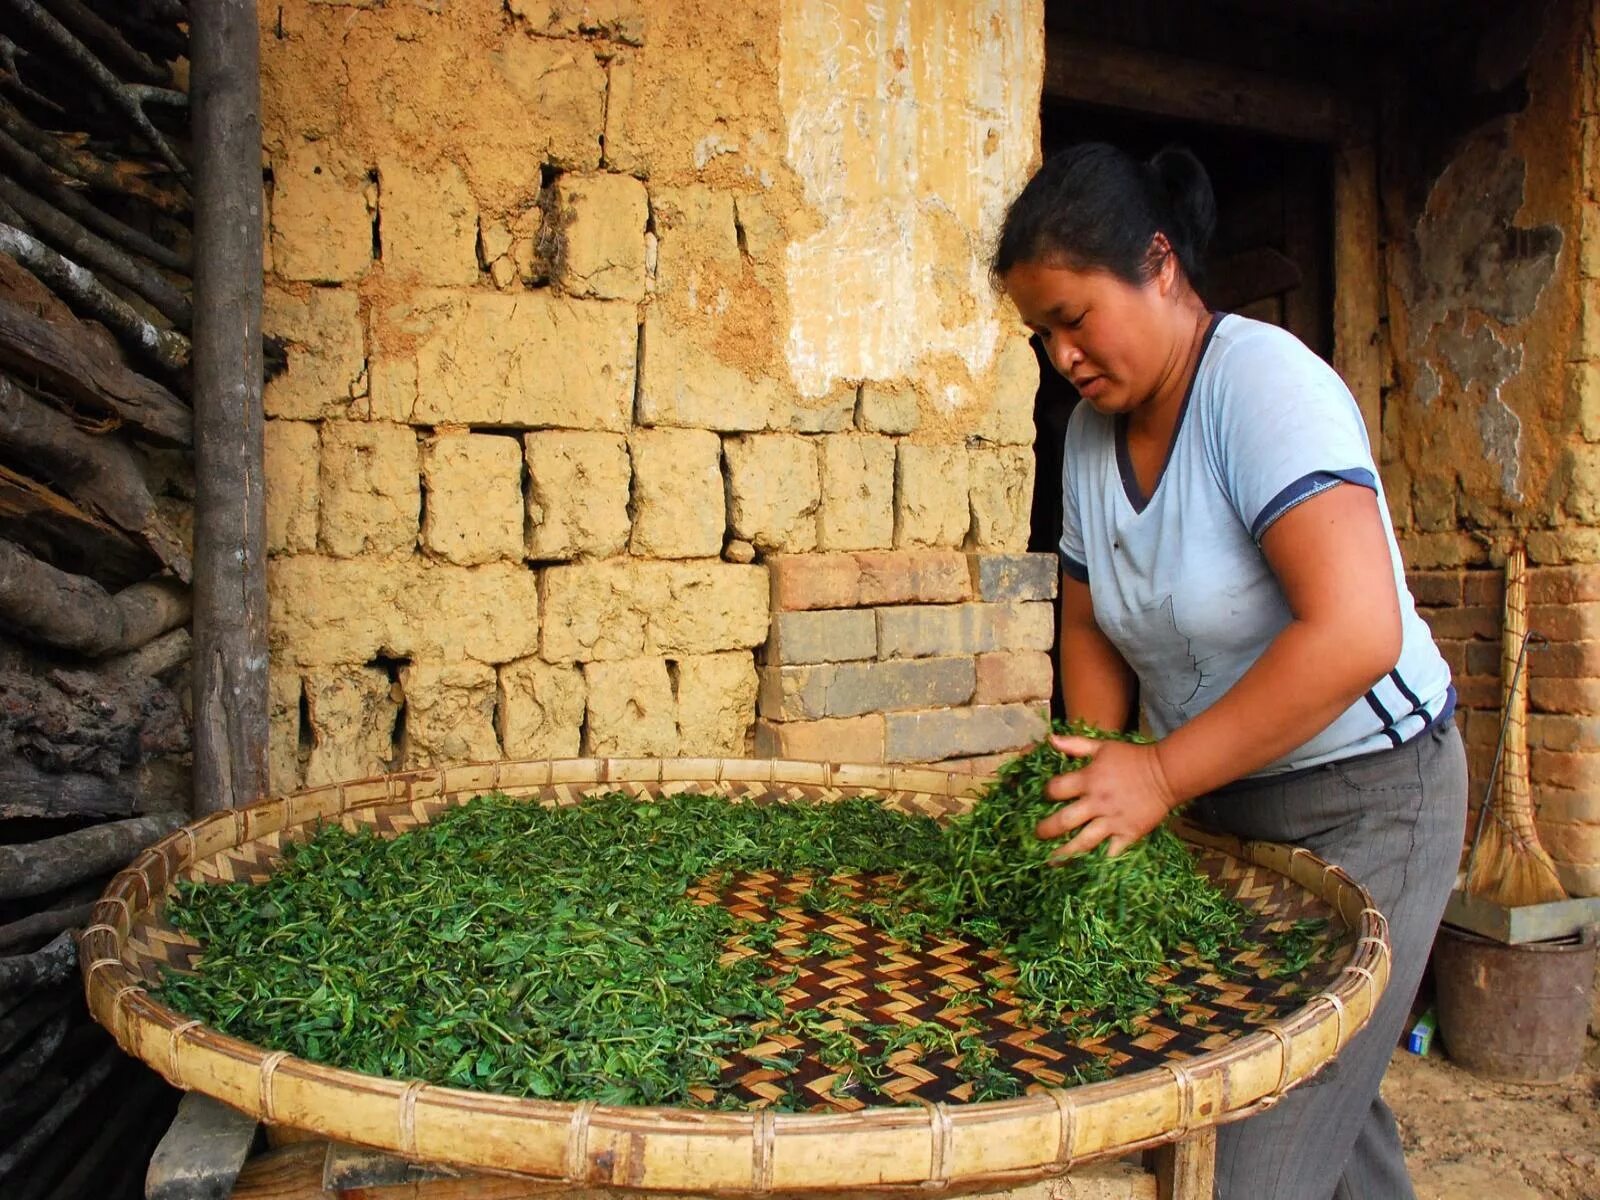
(1179, 582)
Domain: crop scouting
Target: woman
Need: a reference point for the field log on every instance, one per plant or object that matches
(1228, 563)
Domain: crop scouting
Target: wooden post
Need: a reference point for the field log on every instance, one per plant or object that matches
(1186, 1170)
(1357, 289)
(230, 594)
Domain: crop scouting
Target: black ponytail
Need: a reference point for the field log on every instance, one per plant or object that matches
(1093, 206)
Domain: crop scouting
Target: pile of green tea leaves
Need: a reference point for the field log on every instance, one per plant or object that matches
(558, 952)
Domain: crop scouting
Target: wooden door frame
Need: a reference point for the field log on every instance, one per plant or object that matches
(1082, 71)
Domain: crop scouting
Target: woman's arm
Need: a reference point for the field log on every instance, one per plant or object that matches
(1097, 685)
(1331, 557)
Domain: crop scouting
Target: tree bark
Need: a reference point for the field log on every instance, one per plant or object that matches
(94, 469)
(166, 348)
(78, 370)
(58, 531)
(93, 1076)
(40, 867)
(77, 614)
(230, 623)
(26, 791)
(122, 179)
(123, 97)
(71, 238)
(43, 924)
(30, 170)
(136, 1121)
(32, 1058)
(97, 32)
(50, 965)
(18, 1024)
(167, 652)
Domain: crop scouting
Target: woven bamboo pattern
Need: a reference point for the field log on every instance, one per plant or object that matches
(1234, 1050)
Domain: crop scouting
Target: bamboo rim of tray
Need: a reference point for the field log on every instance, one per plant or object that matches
(753, 1153)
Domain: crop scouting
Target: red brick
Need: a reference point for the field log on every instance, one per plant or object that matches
(1016, 675)
(1481, 691)
(1562, 695)
(1479, 726)
(930, 736)
(1563, 585)
(807, 581)
(1483, 658)
(1563, 731)
(845, 739)
(1566, 660)
(1437, 589)
(1015, 576)
(1556, 768)
(1566, 622)
(1464, 623)
(1571, 842)
(1484, 587)
(913, 577)
(1567, 804)
(1454, 655)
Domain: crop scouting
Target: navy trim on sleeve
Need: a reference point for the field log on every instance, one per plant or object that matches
(1073, 568)
(1303, 489)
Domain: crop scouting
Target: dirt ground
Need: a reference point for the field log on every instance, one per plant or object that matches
(1468, 1138)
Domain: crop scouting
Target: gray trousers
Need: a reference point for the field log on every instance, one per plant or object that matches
(1395, 821)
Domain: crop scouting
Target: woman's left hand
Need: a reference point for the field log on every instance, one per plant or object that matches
(1120, 795)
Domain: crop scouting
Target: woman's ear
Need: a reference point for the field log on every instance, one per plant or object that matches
(1165, 261)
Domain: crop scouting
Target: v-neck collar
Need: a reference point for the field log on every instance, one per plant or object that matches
(1130, 480)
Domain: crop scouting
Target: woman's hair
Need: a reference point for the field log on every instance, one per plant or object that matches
(1095, 206)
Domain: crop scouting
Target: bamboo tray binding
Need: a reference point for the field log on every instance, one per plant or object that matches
(955, 1146)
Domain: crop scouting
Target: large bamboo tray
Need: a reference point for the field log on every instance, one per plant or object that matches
(1216, 1062)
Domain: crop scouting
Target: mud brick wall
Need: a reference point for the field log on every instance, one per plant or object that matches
(923, 657)
(592, 311)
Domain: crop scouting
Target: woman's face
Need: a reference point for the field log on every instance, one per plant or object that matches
(1113, 340)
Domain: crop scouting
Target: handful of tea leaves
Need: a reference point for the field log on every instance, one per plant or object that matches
(558, 951)
(1085, 933)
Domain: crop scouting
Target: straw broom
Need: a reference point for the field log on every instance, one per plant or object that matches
(1508, 866)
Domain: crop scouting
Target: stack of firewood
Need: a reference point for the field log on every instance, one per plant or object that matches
(95, 506)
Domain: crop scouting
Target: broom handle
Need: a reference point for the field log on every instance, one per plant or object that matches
(1499, 747)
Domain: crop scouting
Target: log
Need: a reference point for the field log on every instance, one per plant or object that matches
(71, 1099)
(19, 1024)
(43, 924)
(32, 172)
(93, 469)
(120, 178)
(51, 965)
(27, 791)
(96, 32)
(77, 614)
(30, 1101)
(127, 1134)
(33, 1056)
(63, 721)
(127, 98)
(40, 867)
(80, 371)
(71, 238)
(202, 1152)
(167, 652)
(230, 612)
(166, 348)
(61, 533)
